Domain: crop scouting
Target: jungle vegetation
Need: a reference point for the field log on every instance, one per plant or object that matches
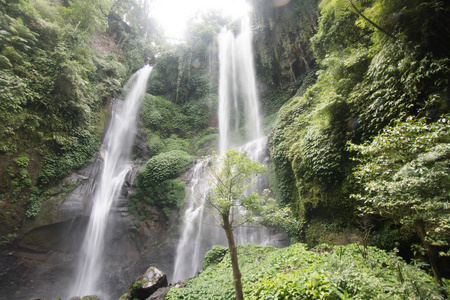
(355, 96)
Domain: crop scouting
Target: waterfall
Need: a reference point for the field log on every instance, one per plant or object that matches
(237, 87)
(238, 107)
(116, 151)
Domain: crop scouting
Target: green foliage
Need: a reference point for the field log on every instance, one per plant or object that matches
(380, 99)
(282, 48)
(34, 204)
(404, 174)
(214, 256)
(308, 151)
(228, 202)
(339, 272)
(163, 117)
(164, 166)
(88, 15)
(53, 88)
(230, 177)
(59, 165)
(366, 81)
(156, 183)
(172, 126)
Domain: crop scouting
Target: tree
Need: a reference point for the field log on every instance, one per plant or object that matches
(231, 206)
(405, 176)
(354, 5)
(89, 15)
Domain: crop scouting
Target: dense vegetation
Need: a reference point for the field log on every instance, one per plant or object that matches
(355, 96)
(370, 77)
(340, 272)
(60, 64)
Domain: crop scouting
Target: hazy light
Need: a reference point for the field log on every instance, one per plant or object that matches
(173, 15)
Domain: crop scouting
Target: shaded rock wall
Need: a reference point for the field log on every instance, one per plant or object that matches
(43, 260)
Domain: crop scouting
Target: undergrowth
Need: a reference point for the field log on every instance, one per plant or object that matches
(338, 272)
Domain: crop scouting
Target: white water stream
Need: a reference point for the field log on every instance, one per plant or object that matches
(116, 151)
(237, 87)
(238, 107)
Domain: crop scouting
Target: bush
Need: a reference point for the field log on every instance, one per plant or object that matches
(340, 272)
(214, 256)
(156, 183)
(163, 166)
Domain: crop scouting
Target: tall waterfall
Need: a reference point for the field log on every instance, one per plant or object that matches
(116, 151)
(238, 101)
(237, 86)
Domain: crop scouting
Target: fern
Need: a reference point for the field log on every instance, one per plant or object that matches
(339, 6)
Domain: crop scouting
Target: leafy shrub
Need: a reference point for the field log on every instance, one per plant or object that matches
(156, 183)
(340, 272)
(175, 143)
(59, 165)
(155, 144)
(214, 256)
(163, 166)
(162, 116)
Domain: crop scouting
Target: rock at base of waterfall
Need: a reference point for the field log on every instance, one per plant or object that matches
(160, 294)
(147, 284)
(90, 297)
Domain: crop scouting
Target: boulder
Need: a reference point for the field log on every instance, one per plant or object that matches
(148, 283)
(160, 294)
(90, 297)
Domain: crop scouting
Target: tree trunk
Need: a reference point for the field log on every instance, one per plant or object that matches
(433, 254)
(234, 258)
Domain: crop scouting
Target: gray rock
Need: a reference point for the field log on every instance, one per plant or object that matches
(160, 294)
(147, 284)
(90, 297)
(140, 147)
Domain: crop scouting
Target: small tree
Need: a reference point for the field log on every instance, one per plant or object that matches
(405, 176)
(231, 206)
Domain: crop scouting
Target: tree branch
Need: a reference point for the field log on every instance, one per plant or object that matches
(371, 22)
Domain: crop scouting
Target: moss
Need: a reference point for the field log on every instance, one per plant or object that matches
(157, 184)
(214, 256)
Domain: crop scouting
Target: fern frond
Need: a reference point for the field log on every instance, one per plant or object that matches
(341, 6)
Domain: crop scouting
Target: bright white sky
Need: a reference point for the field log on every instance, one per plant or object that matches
(172, 15)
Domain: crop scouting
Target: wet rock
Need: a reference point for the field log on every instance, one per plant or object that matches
(160, 294)
(147, 284)
(90, 297)
(140, 147)
(47, 248)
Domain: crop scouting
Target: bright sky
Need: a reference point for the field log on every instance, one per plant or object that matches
(172, 15)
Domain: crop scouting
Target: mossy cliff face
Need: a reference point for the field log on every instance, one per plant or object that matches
(49, 245)
(281, 40)
(57, 75)
(367, 79)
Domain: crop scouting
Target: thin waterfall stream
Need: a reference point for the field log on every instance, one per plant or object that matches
(116, 151)
(238, 100)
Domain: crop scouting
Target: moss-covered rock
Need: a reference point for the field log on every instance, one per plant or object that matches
(214, 256)
(148, 283)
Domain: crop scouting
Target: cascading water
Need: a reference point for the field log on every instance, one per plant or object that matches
(237, 86)
(116, 151)
(237, 100)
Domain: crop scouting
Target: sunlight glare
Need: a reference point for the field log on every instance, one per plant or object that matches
(173, 15)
